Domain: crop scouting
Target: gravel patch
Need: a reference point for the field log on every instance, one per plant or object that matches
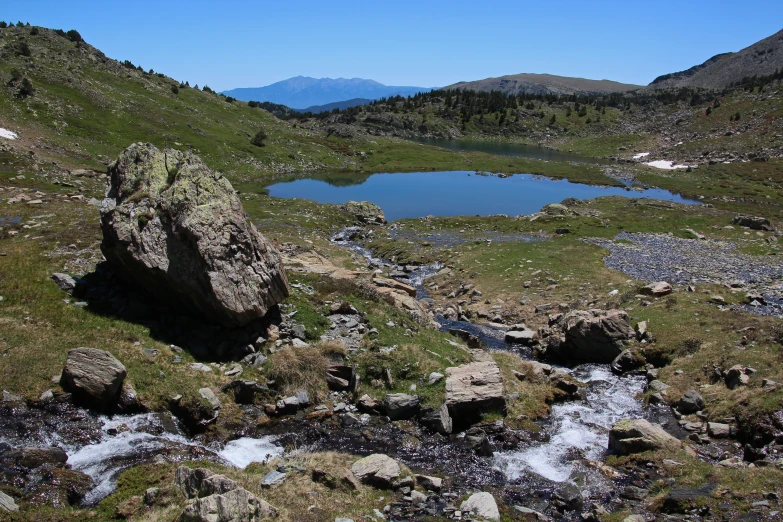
(663, 257)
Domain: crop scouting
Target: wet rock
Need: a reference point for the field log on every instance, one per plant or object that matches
(32, 457)
(365, 212)
(626, 362)
(429, 483)
(474, 388)
(752, 222)
(400, 406)
(176, 228)
(193, 413)
(594, 335)
(691, 402)
(7, 503)
(377, 470)
(478, 441)
(635, 436)
(94, 377)
(530, 515)
(657, 289)
(481, 505)
(568, 497)
(437, 420)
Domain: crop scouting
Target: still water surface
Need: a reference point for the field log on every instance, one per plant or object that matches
(456, 193)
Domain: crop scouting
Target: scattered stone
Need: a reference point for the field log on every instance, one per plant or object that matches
(737, 376)
(691, 402)
(94, 377)
(481, 505)
(530, 515)
(429, 483)
(210, 260)
(434, 377)
(65, 282)
(273, 478)
(400, 406)
(635, 436)
(752, 222)
(658, 289)
(377, 470)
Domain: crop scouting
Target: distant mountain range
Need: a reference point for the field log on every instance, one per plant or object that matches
(528, 83)
(760, 59)
(303, 92)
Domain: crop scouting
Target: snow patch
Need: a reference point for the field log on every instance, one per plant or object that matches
(641, 155)
(665, 165)
(7, 134)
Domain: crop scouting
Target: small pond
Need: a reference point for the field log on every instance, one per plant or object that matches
(456, 193)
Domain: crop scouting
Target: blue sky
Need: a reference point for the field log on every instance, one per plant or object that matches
(237, 43)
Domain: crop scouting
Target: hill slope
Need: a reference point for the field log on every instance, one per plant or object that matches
(760, 59)
(529, 83)
(302, 91)
(342, 105)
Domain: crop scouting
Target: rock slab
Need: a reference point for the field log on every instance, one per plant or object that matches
(638, 435)
(176, 228)
(474, 387)
(377, 470)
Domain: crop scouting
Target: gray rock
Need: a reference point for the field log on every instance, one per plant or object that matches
(438, 420)
(377, 470)
(658, 289)
(210, 397)
(151, 495)
(524, 513)
(94, 377)
(691, 402)
(477, 440)
(594, 335)
(237, 505)
(244, 391)
(400, 406)
(434, 377)
(418, 498)
(624, 362)
(176, 228)
(752, 222)
(429, 483)
(189, 481)
(737, 376)
(65, 282)
(679, 500)
(524, 337)
(273, 478)
(365, 212)
(474, 387)
(481, 505)
(638, 435)
(7, 503)
(341, 519)
(718, 430)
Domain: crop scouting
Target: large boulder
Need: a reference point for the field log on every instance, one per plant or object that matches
(752, 222)
(365, 212)
(94, 377)
(594, 336)
(472, 389)
(638, 435)
(377, 470)
(176, 228)
(400, 406)
(237, 505)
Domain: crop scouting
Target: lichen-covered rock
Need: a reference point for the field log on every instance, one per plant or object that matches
(638, 435)
(366, 212)
(482, 506)
(94, 377)
(237, 505)
(176, 228)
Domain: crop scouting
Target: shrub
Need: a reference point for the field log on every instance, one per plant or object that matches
(175, 89)
(26, 88)
(22, 49)
(230, 99)
(258, 139)
(34, 31)
(207, 89)
(60, 32)
(254, 104)
(74, 36)
(3, 25)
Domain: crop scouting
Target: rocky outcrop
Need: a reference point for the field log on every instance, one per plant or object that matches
(217, 498)
(176, 228)
(474, 388)
(752, 222)
(638, 435)
(377, 470)
(482, 506)
(94, 377)
(595, 336)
